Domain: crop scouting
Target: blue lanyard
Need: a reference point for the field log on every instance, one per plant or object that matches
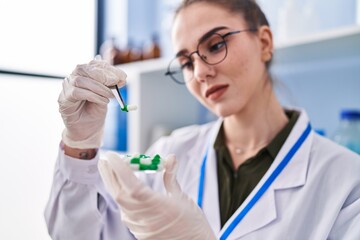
(262, 189)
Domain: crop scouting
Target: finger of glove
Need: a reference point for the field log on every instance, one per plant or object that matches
(145, 229)
(157, 227)
(171, 184)
(90, 84)
(112, 185)
(108, 178)
(147, 219)
(163, 211)
(146, 205)
(137, 227)
(124, 174)
(71, 93)
(102, 72)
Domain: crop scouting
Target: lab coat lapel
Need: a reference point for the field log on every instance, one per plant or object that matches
(211, 197)
(293, 175)
(211, 206)
(262, 213)
(210, 203)
(210, 194)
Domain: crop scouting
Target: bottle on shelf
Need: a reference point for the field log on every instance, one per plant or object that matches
(108, 50)
(113, 54)
(153, 49)
(135, 54)
(348, 131)
(120, 56)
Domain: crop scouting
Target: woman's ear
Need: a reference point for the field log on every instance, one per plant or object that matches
(266, 40)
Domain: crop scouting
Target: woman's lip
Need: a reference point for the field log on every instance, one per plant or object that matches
(215, 92)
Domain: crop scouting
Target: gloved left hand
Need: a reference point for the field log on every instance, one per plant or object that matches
(149, 214)
(83, 102)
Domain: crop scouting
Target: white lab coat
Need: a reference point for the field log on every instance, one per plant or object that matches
(316, 196)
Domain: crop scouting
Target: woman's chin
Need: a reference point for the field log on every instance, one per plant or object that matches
(223, 113)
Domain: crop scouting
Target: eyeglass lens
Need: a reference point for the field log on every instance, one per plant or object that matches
(212, 51)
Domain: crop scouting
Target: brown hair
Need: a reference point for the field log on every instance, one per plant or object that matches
(251, 11)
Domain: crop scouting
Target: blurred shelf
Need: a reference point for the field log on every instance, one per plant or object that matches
(322, 36)
(338, 44)
(146, 65)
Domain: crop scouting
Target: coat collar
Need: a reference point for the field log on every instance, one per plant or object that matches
(294, 175)
(210, 198)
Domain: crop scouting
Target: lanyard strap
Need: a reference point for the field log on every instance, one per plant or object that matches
(202, 179)
(262, 189)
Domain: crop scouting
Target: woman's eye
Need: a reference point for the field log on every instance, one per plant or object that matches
(215, 47)
(187, 65)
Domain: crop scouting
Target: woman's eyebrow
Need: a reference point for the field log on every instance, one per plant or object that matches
(181, 53)
(211, 32)
(203, 38)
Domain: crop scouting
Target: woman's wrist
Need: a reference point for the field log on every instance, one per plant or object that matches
(83, 154)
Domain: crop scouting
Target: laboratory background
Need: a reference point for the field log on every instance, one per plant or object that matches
(316, 66)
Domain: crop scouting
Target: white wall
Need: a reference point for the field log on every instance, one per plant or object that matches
(30, 129)
(46, 37)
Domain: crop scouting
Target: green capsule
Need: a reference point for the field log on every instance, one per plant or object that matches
(135, 161)
(142, 162)
(143, 167)
(155, 161)
(152, 167)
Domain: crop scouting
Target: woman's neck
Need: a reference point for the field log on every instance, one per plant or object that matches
(253, 128)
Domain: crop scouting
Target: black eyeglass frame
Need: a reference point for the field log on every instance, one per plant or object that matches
(223, 36)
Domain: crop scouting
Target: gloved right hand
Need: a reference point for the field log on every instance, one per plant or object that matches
(83, 102)
(151, 215)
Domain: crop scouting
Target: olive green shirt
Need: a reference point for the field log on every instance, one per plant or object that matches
(235, 185)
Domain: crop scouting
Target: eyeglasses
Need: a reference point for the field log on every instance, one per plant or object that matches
(212, 50)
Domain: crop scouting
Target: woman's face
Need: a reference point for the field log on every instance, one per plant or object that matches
(238, 81)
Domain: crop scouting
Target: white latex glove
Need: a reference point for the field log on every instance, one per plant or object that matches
(149, 214)
(83, 102)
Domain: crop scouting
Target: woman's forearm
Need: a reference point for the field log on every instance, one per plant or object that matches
(83, 154)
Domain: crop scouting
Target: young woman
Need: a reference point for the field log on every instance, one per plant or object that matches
(258, 172)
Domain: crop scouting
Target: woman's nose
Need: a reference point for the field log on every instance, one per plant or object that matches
(202, 70)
